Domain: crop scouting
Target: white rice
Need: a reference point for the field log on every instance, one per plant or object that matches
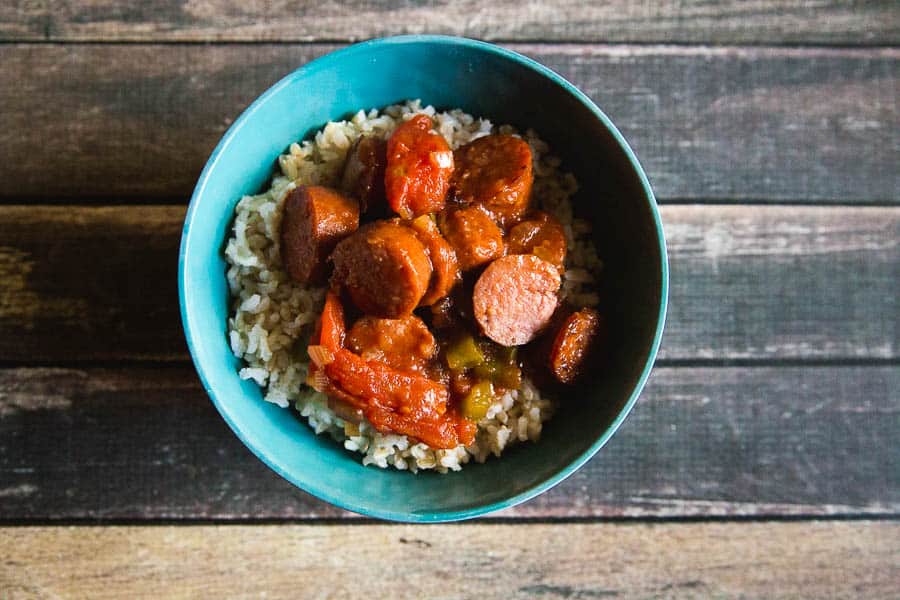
(273, 317)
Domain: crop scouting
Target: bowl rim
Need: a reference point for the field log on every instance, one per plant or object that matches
(338, 499)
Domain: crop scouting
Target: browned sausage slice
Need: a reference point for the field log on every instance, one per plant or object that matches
(384, 268)
(443, 260)
(574, 342)
(315, 219)
(496, 172)
(473, 234)
(542, 235)
(405, 343)
(444, 314)
(363, 176)
(515, 297)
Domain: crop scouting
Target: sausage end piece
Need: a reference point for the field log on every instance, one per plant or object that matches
(363, 175)
(314, 220)
(576, 340)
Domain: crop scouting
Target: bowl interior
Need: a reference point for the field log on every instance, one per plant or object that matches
(483, 81)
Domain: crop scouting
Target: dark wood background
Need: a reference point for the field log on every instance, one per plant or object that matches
(762, 459)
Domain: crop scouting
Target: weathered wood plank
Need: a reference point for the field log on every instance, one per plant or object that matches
(728, 21)
(787, 124)
(90, 284)
(703, 560)
(145, 443)
(87, 284)
(776, 282)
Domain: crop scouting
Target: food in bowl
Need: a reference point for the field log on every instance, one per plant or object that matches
(416, 284)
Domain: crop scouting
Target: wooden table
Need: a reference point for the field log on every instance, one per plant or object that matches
(761, 461)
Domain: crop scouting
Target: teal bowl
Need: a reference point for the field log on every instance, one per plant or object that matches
(484, 80)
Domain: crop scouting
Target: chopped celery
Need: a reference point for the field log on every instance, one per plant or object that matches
(464, 354)
(508, 354)
(477, 402)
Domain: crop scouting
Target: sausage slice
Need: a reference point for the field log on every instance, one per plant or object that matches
(542, 235)
(473, 234)
(515, 297)
(384, 268)
(574, 342)
(363, 176)
(443, 260)
(404, 344)
(419, 165)
(496, 172)
(315, 218)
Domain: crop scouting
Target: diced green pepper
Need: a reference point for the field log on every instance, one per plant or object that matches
(477, 402)
(505, 376)
(485, 371)
(508, 376)
(464, 354)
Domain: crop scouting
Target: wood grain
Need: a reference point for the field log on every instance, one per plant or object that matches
(87, 284)
(753, 560)
(729, 21)
(782, 282)
(146, 443)
(126, 122)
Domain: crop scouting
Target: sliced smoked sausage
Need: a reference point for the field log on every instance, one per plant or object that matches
(363, 176)
(443, 260)
(578, 336)
(419, 165)
(474, 235)
(515, 298)
(540, 234)
(384, 268)
(495, 172)
(315, 218)
(404, 344)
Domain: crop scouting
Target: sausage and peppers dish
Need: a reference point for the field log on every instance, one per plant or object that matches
(444, 280)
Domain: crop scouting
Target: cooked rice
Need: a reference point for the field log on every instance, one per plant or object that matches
(274, 317)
